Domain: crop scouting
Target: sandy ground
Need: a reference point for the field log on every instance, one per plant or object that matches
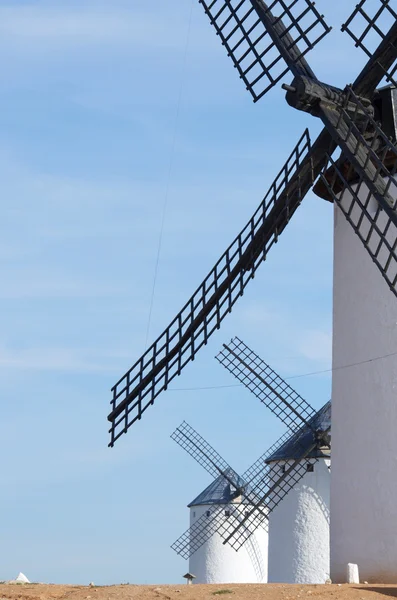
(196, 592)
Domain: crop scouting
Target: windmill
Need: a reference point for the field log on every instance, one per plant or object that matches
(209, 559)
(267, 43)
(299, 525)
(287, 486)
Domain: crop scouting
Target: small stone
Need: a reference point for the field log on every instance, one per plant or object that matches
(366, 582)
(157, 590)
(328, 580)
(339, 584)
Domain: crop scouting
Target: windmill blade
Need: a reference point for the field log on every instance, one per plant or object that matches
(195, 445)
(200, 531)
(265, 384)
(215, 297)
(254, 473)
(381, 61)
(271, 487)
(366, 190)
(195, 536)
(205, 527)
(203, 313)
(261, 47)
(371, 33)
(350, 130)
(264, 498)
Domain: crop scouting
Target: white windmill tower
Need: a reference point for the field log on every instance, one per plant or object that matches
(210, 560)
(265, 44)
(299, 524)
(215, 562)
(364, 395)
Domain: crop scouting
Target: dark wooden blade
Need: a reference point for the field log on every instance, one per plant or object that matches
(374, 30)
(266, 41)
(215, 297)
(366, 190)
(271, 389)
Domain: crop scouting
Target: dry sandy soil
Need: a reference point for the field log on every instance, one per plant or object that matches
(197, 592)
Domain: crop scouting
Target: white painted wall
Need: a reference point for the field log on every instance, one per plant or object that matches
(364, 414)
(214, 562)
(299, 529)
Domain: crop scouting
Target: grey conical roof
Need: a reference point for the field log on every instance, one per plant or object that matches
(300, 441)
(219, 491)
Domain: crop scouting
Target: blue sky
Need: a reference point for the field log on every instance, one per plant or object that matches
(88, 103)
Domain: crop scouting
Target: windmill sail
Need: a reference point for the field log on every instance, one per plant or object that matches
(351, 132)
(343, 114)
(266, 496)
(215, 297)
(271, 489)
(245, 28)
(265, 384)
(370, 33)
(294, 412)
(199, 532)
(363, 185)
(195, 445)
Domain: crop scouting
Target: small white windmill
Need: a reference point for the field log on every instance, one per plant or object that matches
(215, 562)
(299, 546)
(210, 559)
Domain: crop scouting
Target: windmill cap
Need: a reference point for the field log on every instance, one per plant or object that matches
(297, 445)
(219, 491)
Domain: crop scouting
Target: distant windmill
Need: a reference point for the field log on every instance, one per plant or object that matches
(299, 525)
(265, 44)
(209, 559)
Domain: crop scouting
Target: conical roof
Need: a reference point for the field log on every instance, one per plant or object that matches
(219, 491)
(303, 439)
